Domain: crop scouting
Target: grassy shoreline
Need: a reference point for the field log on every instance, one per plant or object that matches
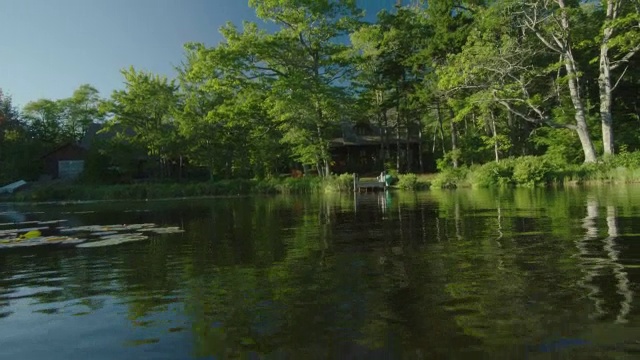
(163, 191)
(514, 172)
(533, 171)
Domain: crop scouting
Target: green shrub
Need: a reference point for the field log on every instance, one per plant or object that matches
(307, 184)
(493, 174)
(411, 182)
(451, 178)
(340, 183)
(266, 186)
(532, 170)
(630, 160)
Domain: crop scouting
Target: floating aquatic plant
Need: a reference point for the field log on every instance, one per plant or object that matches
(82, 236)
(124, 238)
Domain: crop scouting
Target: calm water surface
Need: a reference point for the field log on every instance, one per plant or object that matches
(524, 274)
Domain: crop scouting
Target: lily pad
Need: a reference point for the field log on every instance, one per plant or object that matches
(51, 222)
(104, 233)
(112, 241)
(163, 230)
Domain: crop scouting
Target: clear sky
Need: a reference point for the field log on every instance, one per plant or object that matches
(50, 47)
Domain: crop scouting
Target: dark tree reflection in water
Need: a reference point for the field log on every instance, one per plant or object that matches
(532, 274)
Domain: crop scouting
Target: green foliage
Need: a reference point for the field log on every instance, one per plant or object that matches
(447, 159)
(451, 178)
(146, 106)
(558, 145)
(477, 80)
(58, 121)
(493, 174)
(411, 182)
(532, 170)
(142, 191)
(624, 159)
(340, 183)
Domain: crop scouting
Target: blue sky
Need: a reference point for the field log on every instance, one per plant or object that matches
(50, 47)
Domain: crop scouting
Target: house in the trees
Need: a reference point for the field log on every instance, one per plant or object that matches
(121, 160)
(69, 160)
(65, 162)
(368, 149)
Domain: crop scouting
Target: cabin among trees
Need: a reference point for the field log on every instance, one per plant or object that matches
(100, 154)
(65, 162)
(365, 148)
(112, 156)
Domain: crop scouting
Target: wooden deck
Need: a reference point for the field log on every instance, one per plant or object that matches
(368, 184)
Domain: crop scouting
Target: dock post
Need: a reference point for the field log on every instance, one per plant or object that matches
(355, 182)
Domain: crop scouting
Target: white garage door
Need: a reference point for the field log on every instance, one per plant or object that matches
(70, 169)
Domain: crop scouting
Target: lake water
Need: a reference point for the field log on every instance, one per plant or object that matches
(466, 274)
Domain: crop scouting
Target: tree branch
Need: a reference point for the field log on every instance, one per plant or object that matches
(626, 58)
(542, 120)
(620, 78)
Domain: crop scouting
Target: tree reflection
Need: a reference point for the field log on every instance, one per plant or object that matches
(599, 258)
(393, 275)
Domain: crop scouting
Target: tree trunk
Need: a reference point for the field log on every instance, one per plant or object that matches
(398, 144)
(323, 160)
(318, 167)
(574, 90)
(604, 81)
(381, 134)
(385, 139)
(408, 157)
(440, 128)
(435, 138)
(578, 104)
(420, 150)
(454, 140)
(495, 137)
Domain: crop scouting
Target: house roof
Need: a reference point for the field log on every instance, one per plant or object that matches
(369, 135)
(96, 131)
(74, 145)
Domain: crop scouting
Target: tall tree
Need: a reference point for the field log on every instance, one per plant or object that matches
(307, 68)
(620, 41)
(451, 22)
(45, 118)
(224, 119)
(19, 150)
(387, 52)
(147, 106)
(81, 109)
(551, 23)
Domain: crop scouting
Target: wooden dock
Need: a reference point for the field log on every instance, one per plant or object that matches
(367, 185)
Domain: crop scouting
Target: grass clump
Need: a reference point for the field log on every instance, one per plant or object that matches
(451, 178)
(143, 191)
(411, 181)
(493, 174)
(340, 183)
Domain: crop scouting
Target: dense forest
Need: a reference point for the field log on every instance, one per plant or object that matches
(476, 81)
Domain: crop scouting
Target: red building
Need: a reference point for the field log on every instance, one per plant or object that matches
(65, 162)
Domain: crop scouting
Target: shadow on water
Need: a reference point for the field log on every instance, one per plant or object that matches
(531, 274)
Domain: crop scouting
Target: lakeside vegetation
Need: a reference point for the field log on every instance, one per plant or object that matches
(499, 93)
(513, 172)
(165, 190)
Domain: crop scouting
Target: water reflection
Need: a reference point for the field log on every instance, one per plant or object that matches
(600, 259)
(441, 274)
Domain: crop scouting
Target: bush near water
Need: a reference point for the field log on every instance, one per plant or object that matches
(526, 171)
(529, 171)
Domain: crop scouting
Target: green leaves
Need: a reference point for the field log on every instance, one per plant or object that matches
(146, 106)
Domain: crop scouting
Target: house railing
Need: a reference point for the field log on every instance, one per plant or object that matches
(378, 183)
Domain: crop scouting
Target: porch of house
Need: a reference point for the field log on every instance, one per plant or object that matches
(369, 159)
